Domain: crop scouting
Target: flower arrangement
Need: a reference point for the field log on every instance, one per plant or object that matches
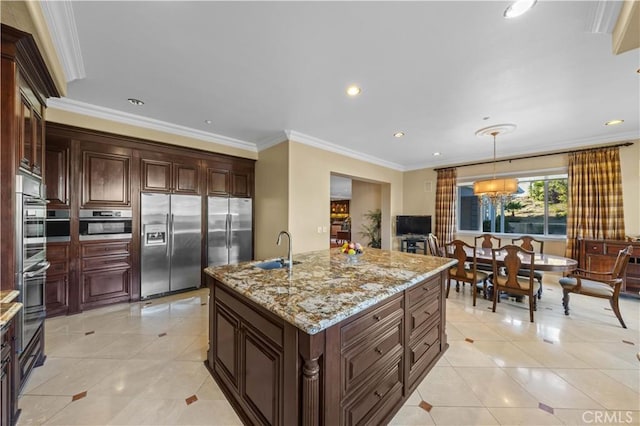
(351, 248)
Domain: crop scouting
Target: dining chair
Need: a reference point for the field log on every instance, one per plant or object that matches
(532, 244)
(487, 241)
(605, 285)
(434, 246)
(456, 250)
(511, 282)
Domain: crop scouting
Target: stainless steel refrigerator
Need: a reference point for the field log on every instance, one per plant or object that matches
(229, 230)
(171, 243)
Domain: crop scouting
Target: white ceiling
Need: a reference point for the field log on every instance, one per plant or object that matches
(433, 70)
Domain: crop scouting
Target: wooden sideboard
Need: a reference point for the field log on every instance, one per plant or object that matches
(600, 255)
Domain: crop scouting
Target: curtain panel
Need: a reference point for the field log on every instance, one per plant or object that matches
(446, 187)
(594, 204)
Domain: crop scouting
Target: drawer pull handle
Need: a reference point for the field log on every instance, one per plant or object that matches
(427, 312)
(378, 351)
(425, 288)
(378, 394)
(427, 344)
(376, 317)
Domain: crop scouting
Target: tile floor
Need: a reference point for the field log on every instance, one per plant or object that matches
(141, 363)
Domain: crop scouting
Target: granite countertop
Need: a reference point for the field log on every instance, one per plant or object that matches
(325, 288)
(8, 308)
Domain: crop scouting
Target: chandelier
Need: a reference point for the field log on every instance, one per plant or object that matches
(495, 190)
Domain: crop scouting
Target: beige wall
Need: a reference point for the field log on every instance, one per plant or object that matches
(365, 197)
(271, 201)
(309, 193)
(416, 201)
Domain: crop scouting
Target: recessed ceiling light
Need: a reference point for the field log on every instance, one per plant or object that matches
(436, 154)
(518, 8)
(398, 134)
(134, 101)
(353, 90)
(208, 121)
(613, 122)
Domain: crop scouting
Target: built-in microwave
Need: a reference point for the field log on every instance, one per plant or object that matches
(104, 224)
(58, 226)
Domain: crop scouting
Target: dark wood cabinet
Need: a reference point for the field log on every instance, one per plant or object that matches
(105, 276)
(31, 130)
(168, 176)
(600, 255)
(57, 173)
(105, 180)
(358, 371)
(57, 284)
(8, 391)
(230, 180)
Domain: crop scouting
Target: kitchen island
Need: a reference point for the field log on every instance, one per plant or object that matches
(337, 342)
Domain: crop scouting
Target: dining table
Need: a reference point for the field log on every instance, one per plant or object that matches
(541, 261)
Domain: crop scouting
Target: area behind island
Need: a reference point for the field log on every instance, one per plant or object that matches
(334, 343)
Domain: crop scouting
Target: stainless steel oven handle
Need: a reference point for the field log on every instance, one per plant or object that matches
(45, 265)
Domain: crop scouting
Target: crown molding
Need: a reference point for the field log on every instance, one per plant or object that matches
(78, 107)
(603, 16)
(62, 27)
(272, 141)
(292, 135)
(540, 149)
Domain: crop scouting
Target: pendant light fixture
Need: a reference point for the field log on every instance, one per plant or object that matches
(495, 190)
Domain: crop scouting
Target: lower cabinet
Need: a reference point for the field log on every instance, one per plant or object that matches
(8, 391)
(600, 256)
(359, 371)
(105, 276)
(57, 284)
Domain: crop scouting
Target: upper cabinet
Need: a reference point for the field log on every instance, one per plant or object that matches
(159, 175)
(235, 180)
(57, 154)
(106, 178)
(31, 132)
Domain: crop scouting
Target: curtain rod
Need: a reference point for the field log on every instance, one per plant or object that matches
(535, 156)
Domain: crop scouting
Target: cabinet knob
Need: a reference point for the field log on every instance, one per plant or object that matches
(427, 312)
(378, 351)
(376, 317)
(378, 394)
(427, 344)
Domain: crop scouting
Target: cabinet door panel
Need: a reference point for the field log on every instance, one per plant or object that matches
(38, 145)
(217, 182)
(57, 174)
(240, 184)
(227, 344)
(105, 180)
(57, 290)
(25, 148)
(105, 284)
(186, 178)
(261, 367)
(156, 176)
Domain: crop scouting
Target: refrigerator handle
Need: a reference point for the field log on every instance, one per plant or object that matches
(166, 249)
(172, 235)
(228, 230)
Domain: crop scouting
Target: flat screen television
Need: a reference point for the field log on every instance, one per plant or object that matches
(413, 225)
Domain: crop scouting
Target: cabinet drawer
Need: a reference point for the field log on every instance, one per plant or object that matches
(594, 248)
(360, 327)
(105, 262)
(423, 351)
(58, 267)
(361, 362)
(614, 249)
(374, 402)
(423, 315)
(101, 249)
(422, 290)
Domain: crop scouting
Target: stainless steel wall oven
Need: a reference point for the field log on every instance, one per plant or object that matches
(104, 224)
(31, 262)
(58, 227)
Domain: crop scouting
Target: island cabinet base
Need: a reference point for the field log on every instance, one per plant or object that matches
(358, 371)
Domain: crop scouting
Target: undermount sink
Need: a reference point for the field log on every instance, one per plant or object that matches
(274, 264)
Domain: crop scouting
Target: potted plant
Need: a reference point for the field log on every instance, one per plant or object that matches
(372, 227)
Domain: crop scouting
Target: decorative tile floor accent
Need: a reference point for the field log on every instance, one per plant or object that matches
(191, 399)
(89, 332)
(628, 342)
(162, 334)
(425, 406)
(545, 407)
(78, 396)
(548, 341)
(468, 340)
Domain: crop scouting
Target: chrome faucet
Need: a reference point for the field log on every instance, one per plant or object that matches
(289, 253)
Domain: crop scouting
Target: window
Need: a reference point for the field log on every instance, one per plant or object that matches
(538, 208)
